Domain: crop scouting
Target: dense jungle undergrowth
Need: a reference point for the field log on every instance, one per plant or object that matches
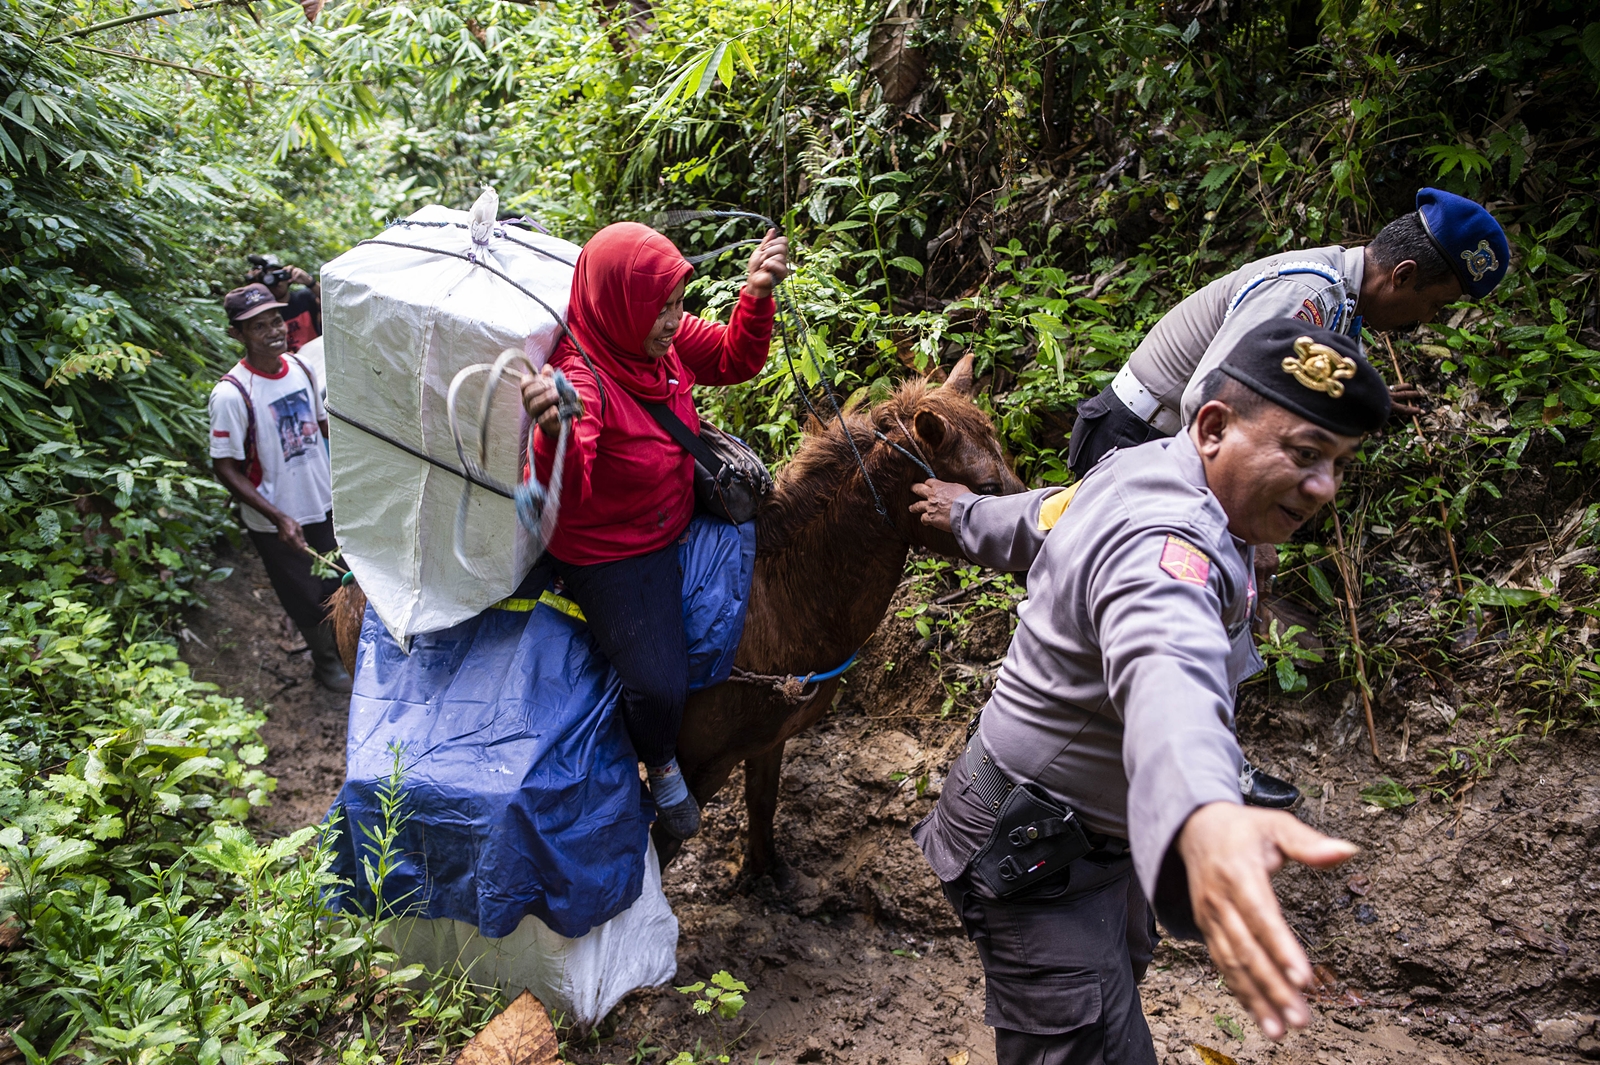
(1033, 181)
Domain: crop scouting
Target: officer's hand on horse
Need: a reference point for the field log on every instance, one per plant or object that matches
(539, 399)
(769, 264)
(934, 501)
(1405, 401)
(1231, 852)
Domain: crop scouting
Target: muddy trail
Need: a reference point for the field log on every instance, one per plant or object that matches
(1465, 931)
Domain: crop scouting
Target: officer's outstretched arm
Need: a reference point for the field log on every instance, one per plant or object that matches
(1000, 532)
(1231, 852)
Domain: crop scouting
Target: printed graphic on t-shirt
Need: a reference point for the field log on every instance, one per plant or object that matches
(297, 429)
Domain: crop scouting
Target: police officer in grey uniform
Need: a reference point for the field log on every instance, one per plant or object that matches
(1103, 771)
(1446, 248)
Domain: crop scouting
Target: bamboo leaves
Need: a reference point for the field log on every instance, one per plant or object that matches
(696, 75)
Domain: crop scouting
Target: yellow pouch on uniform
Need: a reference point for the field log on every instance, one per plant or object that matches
(1051, 509)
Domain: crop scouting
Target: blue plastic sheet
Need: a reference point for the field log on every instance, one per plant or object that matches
(521, 790)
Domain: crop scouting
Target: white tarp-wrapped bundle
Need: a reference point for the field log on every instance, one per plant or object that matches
(582, 978)
(398, 324)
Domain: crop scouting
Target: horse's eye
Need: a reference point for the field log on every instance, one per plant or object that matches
(988, 488)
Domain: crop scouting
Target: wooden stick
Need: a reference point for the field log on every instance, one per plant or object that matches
(1346, 571)
(1444, 512)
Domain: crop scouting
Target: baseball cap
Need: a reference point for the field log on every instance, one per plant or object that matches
(247, 301)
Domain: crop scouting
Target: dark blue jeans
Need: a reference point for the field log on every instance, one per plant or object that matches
(635, 611)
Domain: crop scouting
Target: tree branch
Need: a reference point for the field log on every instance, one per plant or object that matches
(143, 16)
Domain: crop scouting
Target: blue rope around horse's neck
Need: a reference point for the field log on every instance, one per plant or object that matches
(815, 678)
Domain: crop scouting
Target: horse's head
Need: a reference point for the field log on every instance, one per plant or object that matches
(821, 487)
(943, 427)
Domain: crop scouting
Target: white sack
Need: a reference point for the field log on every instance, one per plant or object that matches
(397, 325)
(583, 978)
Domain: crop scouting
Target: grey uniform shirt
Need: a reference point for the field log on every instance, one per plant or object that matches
(1192, 339)
(1116, 695)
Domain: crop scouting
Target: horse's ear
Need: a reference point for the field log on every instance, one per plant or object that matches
(931, 428)
(960, 379)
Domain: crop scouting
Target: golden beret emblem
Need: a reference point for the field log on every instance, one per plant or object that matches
(1319, 367)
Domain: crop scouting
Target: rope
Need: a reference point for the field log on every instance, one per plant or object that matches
(538, 506)
(508, 279)
(497, 489)
(792, 688)
(787, 313)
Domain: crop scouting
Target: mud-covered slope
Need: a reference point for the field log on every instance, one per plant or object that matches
(1462, 932)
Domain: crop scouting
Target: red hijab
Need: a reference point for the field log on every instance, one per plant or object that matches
(624, 276)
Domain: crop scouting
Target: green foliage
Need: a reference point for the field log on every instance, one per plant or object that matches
(723, 995)
(722, 1000)
(1387, 794)
(1284, 656)
(1039, 188)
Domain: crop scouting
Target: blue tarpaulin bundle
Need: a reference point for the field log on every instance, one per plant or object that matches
(521, 790)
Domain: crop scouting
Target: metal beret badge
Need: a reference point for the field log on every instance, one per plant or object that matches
(1319, 367)
(1480, 260)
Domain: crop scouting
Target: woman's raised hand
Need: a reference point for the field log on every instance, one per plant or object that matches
(769, 264)
(539, 399)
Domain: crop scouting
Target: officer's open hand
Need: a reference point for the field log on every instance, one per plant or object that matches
(934, 501)
(1231, 852)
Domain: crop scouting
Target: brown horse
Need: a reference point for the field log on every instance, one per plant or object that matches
(827, 564)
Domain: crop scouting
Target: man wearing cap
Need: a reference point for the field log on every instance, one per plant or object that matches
(1449, 247)
(1101, 778)
(267, 432)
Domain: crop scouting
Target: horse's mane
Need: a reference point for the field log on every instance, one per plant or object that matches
(823, 465)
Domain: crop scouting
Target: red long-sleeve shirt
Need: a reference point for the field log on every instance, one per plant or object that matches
(627, 487)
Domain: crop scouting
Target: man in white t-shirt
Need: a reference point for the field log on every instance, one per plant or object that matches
(267, 431)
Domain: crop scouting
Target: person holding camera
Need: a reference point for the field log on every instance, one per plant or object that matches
(302, 307)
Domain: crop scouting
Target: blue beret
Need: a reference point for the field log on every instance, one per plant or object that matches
(1468, 237)
(1313, 372)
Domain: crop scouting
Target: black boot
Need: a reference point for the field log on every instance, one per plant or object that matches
(681, 820)
(326, 665)
(1263, 789)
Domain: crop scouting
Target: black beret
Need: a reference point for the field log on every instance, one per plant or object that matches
(1313, 372)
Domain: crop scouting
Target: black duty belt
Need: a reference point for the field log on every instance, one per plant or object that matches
(992, 786)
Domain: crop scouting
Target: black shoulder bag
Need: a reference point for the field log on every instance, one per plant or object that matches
(729, 480)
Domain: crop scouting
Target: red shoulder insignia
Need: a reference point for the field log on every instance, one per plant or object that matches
(1309, 312)
(1185, 562)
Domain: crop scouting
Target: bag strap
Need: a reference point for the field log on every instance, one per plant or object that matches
(310, 377)
(252, 463)
(686, 437)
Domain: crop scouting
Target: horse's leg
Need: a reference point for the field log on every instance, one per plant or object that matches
(762, 772)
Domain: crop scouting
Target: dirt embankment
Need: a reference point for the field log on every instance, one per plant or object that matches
(1465, 932)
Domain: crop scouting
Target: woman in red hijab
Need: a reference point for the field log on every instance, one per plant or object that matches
(627, 487)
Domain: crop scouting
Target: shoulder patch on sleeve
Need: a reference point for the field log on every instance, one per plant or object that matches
(1183, 561)
(1309, 312)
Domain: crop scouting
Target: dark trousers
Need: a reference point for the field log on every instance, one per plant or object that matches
(289, 569)
(1061, 971)
(1104, 422)
(635, 611)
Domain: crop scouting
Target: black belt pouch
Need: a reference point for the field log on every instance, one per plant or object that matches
(1034, 839)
